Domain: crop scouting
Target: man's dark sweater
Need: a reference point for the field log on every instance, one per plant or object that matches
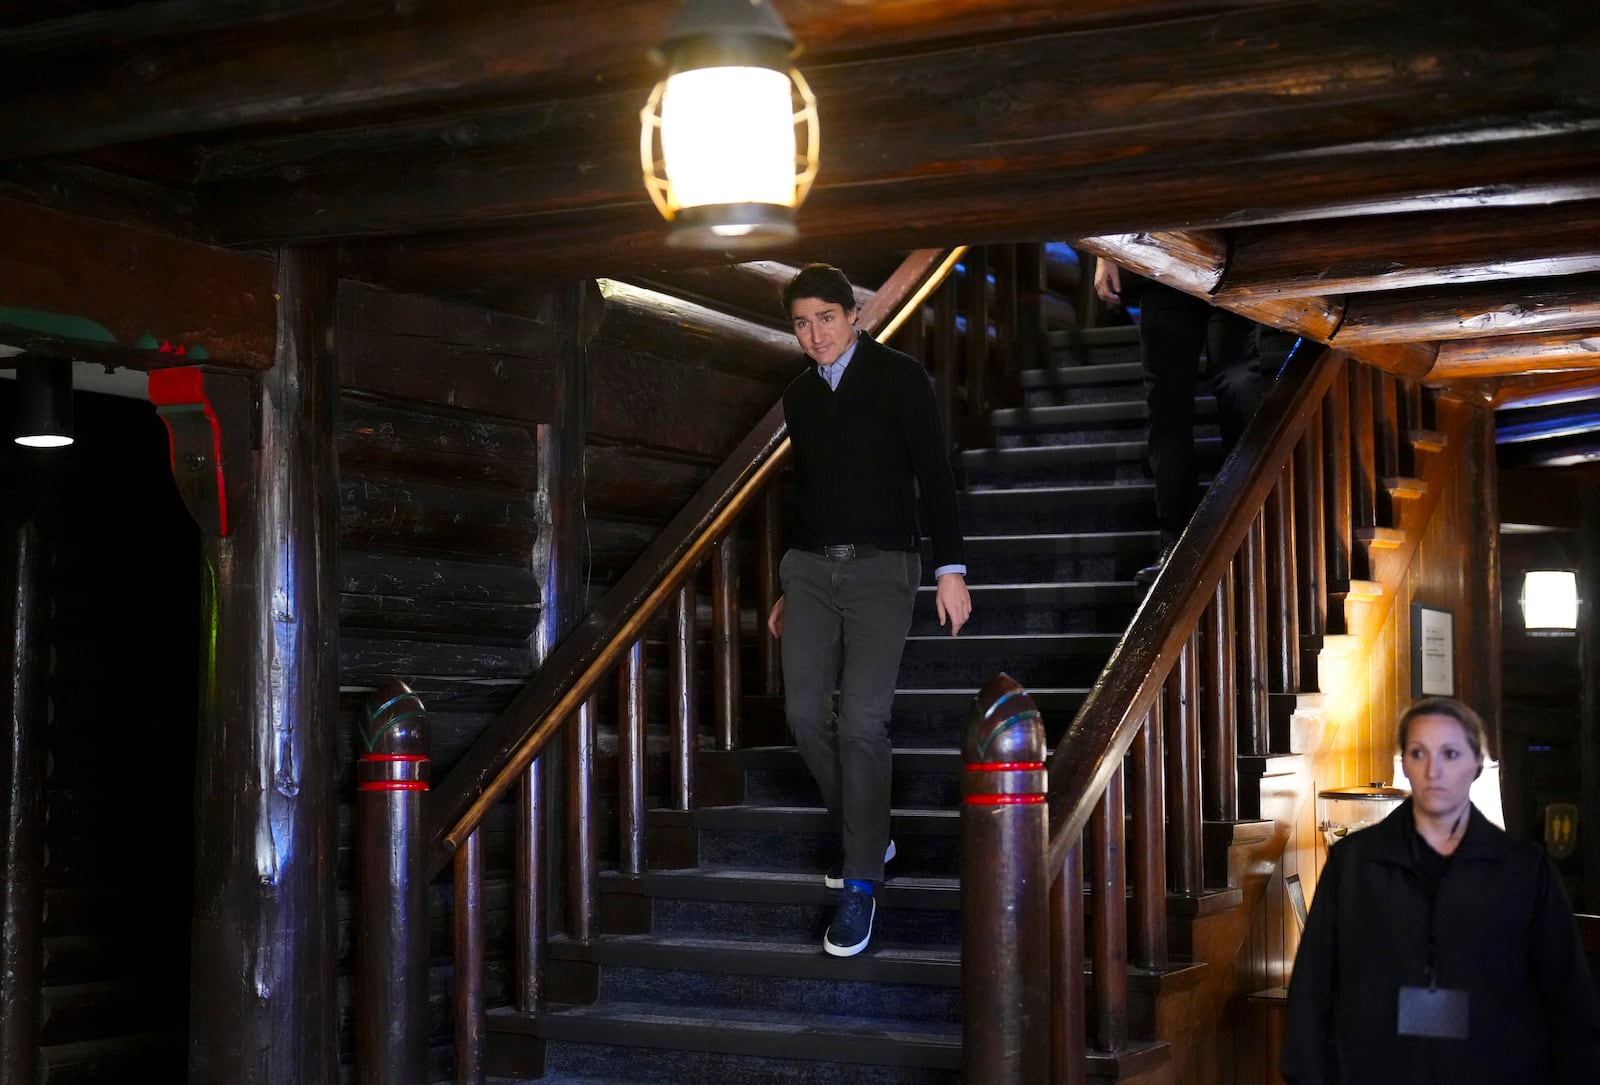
(858, 450)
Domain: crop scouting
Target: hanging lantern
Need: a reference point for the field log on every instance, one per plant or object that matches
(1550, 601)
(720, 137)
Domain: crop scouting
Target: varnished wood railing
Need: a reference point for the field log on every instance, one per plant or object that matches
(1286, 525)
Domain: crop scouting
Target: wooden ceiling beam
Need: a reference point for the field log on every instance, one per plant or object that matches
(1275, 88)
(1472, 311)
(199, 65)
(1162, 257)
(1508, 355)
(1391, 252)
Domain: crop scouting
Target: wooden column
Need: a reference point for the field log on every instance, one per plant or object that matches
(392, 890)
(1146, 860)
(470, 1030)
(583, 875)
(1310, 535)
(24, 642)
(630, 760)
(725, 637)
(532, 914)
(1250, 660)
(1069, 1034)
(1181, 709)
(1283, 611)
(1109, 948)
(1220, 795)
(1004, 916)
(685, 719)
(264, 950)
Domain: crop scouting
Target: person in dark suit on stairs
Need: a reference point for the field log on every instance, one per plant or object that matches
(866, 438)
(1174, 328)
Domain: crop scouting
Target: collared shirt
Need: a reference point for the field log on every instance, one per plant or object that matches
(833, 374)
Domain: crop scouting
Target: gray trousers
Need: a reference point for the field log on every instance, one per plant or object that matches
(844, 628)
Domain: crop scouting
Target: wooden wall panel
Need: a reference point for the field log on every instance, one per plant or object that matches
(419, 349)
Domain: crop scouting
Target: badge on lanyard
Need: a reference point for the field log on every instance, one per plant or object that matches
(1440, 1012)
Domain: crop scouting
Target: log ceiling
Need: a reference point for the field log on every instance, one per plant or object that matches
(1414, 180)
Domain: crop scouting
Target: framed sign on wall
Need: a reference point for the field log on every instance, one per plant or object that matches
(1433, 651)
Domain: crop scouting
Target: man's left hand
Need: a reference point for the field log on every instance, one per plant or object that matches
(952, 601)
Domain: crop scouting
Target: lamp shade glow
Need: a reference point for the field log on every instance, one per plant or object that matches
(1550, 600)
(728, 140)
(44, 402)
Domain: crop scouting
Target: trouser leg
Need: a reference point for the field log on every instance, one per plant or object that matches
(864, 607)
(1172, 331)
(1233, 348)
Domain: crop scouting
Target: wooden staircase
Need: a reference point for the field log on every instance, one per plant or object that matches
(707, 967)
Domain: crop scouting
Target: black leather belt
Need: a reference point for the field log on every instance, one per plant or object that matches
(843, 551)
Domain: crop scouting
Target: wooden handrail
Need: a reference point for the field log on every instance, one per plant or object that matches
(490, 767)
(1092, 750)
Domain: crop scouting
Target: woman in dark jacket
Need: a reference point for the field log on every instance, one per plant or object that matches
(1440, 949)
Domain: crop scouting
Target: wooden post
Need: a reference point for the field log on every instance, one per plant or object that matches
(685, 719)
(1146, 859)
(531, 910)
(1004, 909)
(469, 962)
(1310, 535)
(263, 1008)
(630, 760)
(1069, 1038)
(1220, 795)
(1283, 612)
(1109, 952)
(725, 637)
(1250, 664)
(23, 759)
(392, 890)
(583, 877)
(1182, 711)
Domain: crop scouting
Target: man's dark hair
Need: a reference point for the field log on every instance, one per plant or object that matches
(819, 281)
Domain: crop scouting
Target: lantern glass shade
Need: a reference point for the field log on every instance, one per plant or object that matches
(44, 402)
(727, 137)
(1550, 601)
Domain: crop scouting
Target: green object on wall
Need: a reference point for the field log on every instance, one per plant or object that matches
(62, 325)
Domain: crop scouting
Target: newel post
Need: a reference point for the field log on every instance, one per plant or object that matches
(1005, 922)
(392, 890)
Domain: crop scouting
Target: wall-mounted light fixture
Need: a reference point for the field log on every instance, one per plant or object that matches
(44, 401)
(720, 138)
(1550, 601)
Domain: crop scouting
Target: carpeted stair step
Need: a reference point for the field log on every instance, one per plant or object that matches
(1033, 465)
(1043, 659)
(1087, 507)
(648, 1043)
(799, 839)
(999, 609)
(710, 973)
(1043, 558)
(774, 906)
(777, 776)
(1086, 423)
(1065, 385)
(939, 715)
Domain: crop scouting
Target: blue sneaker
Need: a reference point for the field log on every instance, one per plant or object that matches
(851, 928)
(834, 878)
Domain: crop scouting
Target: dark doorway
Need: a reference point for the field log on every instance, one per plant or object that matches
(123, 584)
